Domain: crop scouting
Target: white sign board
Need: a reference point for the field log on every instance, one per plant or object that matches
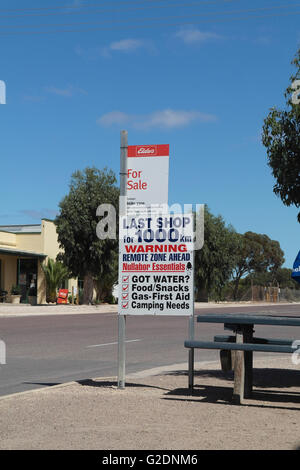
(156, 265)
(147, 177)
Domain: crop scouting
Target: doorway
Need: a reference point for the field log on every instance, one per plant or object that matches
(27, 277)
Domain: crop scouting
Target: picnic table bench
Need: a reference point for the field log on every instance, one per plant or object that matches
(241, 345)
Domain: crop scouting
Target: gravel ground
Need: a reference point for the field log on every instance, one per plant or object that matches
(157, 412)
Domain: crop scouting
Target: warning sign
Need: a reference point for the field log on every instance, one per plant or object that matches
(156, 265)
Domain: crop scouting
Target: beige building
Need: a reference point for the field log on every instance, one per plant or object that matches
(23, 250)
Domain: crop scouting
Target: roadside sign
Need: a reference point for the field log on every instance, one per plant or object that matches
(155, 247)
(156, 265)
(296, 269)
(147, 177)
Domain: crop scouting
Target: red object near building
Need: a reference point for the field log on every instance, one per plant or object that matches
(62, 297)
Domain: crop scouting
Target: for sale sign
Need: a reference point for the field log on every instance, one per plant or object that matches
(156, 265)
(147, 177)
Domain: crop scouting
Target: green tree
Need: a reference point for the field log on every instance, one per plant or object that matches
(107, 276)
(284, 279)
(84, 253)
(214, 262)
(281, 137)
(255, 253)
(55, 273)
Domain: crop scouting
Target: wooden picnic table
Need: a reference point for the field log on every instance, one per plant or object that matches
(243, 345)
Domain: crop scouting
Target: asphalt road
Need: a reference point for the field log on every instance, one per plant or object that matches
(49, 350)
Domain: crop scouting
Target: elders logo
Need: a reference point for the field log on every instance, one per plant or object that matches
(144, 151)
(147, 150)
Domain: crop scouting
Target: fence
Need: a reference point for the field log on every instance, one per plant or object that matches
(267, 294)
(289, 295)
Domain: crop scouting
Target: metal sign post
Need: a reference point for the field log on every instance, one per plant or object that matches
(192, 327)
(122, 210)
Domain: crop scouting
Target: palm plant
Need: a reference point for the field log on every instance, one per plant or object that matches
(55, 272)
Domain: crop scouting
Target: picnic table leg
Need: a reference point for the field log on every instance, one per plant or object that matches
(191, 368)
(239, 373)
(248, 361)
(243, 367)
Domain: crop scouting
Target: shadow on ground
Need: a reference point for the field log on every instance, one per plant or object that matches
(262, 378)
(268, 385)
(106, 383)
(44, 384)
(267, 388)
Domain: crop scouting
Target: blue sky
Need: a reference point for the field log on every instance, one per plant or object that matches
(201, 80)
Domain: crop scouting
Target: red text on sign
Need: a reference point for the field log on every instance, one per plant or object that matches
(135, 181)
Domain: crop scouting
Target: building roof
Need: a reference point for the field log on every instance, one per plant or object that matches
(33, 228)
(24, 254)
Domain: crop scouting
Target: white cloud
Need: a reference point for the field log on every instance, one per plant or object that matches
(263, 40)
(92, 53)
(193, 35)
(69, 91)
(163, 119)
(75, 4)
(59, 91)
(170, 118)
(126, 45)
(114, 117)
(33, 98)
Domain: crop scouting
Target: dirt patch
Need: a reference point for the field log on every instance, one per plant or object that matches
(158, 412)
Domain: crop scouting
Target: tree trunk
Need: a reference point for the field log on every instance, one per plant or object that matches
(88, 288)
(51, 296)
(236, 288)
(104, 293)
(99, 292)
